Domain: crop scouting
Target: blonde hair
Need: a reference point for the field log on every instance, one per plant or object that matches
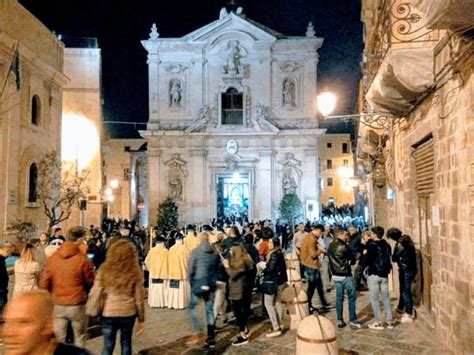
(121, 271)
(28, 254)
(238, 256)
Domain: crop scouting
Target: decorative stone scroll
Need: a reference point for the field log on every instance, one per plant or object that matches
(204, 119)
(261, 122)
(176, 174)
(291, 173)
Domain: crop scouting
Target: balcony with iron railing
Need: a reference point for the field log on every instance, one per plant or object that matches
(399, 57)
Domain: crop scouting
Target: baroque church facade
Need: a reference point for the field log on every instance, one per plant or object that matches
(232, 120)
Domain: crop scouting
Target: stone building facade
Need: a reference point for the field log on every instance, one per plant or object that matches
(232, 124)
(30, 109)
(417, 153)
(82, 122)
(337, 169)
(125, 162)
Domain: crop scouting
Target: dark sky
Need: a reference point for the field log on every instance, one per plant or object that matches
(119, 26)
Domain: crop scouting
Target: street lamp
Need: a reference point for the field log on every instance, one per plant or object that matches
(327, 102)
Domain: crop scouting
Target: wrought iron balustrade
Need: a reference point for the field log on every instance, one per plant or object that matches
(398, 26)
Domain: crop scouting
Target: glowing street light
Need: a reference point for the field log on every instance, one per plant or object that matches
(114, 184)
(110, 198)
(326, 103)
(108, 192)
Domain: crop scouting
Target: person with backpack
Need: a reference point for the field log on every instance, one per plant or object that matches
(378, 260)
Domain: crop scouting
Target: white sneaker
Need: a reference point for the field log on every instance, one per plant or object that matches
(376, 326)
(390, 325)
(273, 333)
(406, 318)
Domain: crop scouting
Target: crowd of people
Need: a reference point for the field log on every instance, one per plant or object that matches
(62, 280)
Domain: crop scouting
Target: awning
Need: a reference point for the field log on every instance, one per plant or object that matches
(403, 76)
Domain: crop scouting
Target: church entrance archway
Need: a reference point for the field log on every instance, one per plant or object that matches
(233, 196)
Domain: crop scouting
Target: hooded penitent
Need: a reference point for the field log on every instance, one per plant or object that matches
(157, 262)
(178, 261)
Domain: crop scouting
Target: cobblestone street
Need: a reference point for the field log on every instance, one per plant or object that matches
(165, 331)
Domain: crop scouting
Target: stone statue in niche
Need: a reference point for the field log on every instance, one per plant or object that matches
(290, 174)
(176, 175)
(289, 94)
(175, 92)
(234, 53)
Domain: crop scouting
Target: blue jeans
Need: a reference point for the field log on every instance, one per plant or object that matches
(378, 286)
(348, 285)
(315, 282)
(110, 327)
(209, 306)
(406, 298)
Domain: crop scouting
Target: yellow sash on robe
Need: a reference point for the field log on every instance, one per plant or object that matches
(157, 262)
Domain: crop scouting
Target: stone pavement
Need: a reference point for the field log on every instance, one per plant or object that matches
(165, 331)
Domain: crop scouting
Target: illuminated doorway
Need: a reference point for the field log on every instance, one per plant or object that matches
(232, 200)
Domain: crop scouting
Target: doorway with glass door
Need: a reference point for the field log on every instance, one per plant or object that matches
(232, 200)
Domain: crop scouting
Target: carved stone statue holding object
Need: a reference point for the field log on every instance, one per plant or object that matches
(176, 93)
(289, 97)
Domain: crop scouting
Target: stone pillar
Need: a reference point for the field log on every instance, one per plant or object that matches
(154, 181)
(197, 198)
(310, 181)
(153, 85)
(263, 191)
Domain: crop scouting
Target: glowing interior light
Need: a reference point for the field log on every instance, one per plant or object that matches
(326, 103)
(114, 183)
(79, 140)
(345, 172)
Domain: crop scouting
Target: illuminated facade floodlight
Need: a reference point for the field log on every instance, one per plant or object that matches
(326, 103)
(79, 140)
(114, 184)
(110, 198)
(108, 192)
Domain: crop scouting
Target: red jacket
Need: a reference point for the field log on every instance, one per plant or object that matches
(68, 275)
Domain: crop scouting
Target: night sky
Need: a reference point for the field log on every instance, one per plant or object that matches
(119, 26)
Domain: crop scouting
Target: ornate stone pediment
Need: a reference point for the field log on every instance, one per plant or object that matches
(176, 68)
(290, 67)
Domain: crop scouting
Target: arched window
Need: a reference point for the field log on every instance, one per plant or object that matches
(35, 110)
(232, 107)
(33, 183)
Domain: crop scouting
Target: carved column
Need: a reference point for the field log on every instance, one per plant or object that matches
(155, 181)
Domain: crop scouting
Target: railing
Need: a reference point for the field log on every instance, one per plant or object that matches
(398, 25)
(450, 50)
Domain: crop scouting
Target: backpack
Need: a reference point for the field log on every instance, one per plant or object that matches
(383, 261)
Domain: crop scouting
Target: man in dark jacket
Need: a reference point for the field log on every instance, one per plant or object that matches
(404, 255)
(202, 274)
(340, 259)
(379, 263)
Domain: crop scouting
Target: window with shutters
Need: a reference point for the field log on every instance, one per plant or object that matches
(424, 166)
(329, 164)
